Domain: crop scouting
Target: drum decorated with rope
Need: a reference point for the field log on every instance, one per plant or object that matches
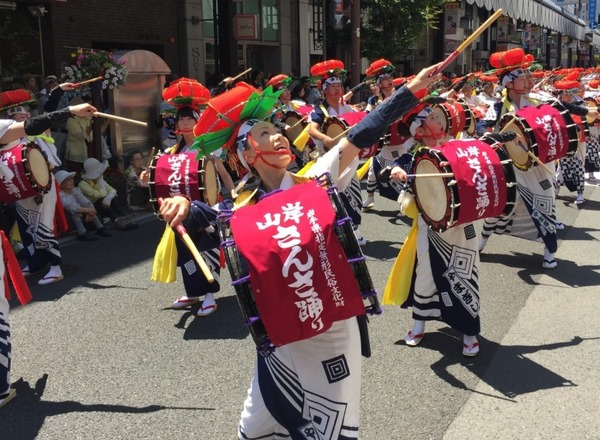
(477, 181)
(24, 172)
(183, 174)
(547, 131)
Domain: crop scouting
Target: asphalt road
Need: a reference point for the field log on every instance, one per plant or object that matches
(101, 355)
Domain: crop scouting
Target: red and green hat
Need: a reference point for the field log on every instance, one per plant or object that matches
(15, 98)
(224, 114)
(379, 68)
(327, 71)
(279, 82)
(186, 92)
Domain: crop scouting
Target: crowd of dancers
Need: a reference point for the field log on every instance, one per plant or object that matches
(484, 154)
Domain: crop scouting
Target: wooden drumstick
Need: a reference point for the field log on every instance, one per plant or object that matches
(412, 176)
(529, 153)
(240, 74)
(87, 81)
(298, 121)
(539, 162)
(152, 150)
(342, 134)
(192, 248)
(120, 119)
(468, 41)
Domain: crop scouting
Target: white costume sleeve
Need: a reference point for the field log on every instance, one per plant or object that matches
(330, 163)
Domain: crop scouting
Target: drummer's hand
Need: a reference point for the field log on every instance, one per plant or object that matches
(227, 80)
(175, 210)
(145, 177)
(68, 86)
(329, 142)
(424, 78)
(398, 174)
(83, 110)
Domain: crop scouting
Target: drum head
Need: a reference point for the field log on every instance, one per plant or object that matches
(592, 104)
(442, 116)
(517, 149)
(38, 167)
(210, 184)
(431, 191)
(334, 127)
(471, 120)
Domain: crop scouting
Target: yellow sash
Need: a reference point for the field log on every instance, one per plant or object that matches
(397, 287)
(165, 258)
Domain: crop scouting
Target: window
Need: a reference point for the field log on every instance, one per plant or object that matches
(268, 16)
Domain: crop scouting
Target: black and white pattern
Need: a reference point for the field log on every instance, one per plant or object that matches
(571, 173)
(533, 217)
(446, 279)
(309, 389)
(36, 226)
(571, 170)
(336, 369)
(592, 153)
(5, 340)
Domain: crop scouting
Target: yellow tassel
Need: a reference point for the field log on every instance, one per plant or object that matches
(397, 287)
(305, 169)
(362, 171)
(165, 258)
(302, 139)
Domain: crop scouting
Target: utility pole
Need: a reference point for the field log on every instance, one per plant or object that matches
(355, 45)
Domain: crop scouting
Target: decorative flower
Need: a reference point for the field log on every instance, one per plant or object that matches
(90, 64)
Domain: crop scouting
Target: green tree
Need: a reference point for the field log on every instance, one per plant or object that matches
(391, 27)
(15, 37)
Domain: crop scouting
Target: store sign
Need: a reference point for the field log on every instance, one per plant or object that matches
(502, 29)
(451, 18)
(245, 27)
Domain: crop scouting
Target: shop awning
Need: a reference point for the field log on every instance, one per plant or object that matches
(543, 13)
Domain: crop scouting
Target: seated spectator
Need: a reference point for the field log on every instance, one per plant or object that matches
(102, 195)
(78, 207)
(138, 194)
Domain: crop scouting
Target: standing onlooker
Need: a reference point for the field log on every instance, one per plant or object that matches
(78, 139)
(258, 79)
(53, 98)
(301, 90)
(165, 122)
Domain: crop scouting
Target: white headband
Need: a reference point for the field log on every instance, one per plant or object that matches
(331, 80)
(419, 119)
(510, 76)
(242, 137)
(383, 76)
(19, 109)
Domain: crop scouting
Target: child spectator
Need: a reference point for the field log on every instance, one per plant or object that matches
(138, 194)
(102, 195)
(78, 207)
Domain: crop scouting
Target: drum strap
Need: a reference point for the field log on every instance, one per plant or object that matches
(325, 112)
(363, 329)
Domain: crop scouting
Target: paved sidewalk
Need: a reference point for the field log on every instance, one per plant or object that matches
(552, 352)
